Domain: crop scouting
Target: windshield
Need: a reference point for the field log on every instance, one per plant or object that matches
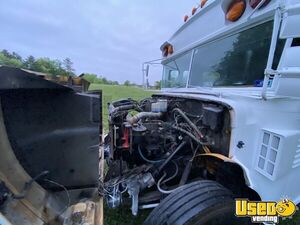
(237, 60)
(176, 72)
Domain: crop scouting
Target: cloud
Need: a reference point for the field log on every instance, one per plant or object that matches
(111, 38)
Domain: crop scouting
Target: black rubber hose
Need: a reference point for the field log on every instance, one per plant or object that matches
(113, 110)
(28, 185)
(143, 115)
(171, 156)
(148, 160)
(189, 134)
(188, 121)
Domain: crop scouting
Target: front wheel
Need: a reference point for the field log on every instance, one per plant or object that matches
(199, 203)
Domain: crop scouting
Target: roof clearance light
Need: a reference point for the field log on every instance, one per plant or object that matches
(170, 49)
(254, 3)
(194, 10)
(165, 51)
(235, 10)
(185, 18)
(203, 2)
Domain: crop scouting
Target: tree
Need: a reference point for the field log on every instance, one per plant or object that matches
(92, 78)
(59, 68)
(8, 61)
(12, 55)
(29, 63)
(104, 80)
(42, 65)
(127, 83)
(68, 66)
(48, 66)
(16, 56)
(6, 53)
(157, 84)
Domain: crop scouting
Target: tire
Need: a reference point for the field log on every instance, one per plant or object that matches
(199, 203)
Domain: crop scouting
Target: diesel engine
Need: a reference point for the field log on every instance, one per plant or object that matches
(158, 144)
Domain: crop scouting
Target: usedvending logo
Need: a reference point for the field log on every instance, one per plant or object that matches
(265, 212)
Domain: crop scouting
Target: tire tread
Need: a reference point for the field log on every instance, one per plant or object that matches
(186, 202)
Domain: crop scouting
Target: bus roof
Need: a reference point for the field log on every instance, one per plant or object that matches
(209, 23)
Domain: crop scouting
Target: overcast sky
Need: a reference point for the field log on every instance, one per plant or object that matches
(106, 37)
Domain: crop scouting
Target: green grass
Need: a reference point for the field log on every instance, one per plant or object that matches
(114, 92)
(123, 216)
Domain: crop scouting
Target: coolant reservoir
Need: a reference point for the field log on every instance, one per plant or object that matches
(159, 106)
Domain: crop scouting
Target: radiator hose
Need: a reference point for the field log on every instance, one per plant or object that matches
(142, 115)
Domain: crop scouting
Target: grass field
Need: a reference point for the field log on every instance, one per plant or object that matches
(123, 216)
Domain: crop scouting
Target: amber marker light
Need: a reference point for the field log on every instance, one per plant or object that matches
(203, 2)
(165, 51)
(194, 10)
(185, 18)
(235, 10)
(170, 49)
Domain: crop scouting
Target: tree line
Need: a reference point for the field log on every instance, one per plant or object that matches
(44, 64)
(54, 67)
(50, 66)
(93, 78)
